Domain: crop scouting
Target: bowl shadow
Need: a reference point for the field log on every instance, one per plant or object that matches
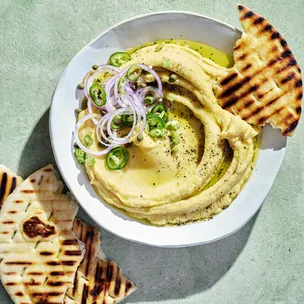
(166, 273)
(37, 152)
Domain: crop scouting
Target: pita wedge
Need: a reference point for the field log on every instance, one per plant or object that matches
(265, 84)
(97, 280)
(8, 182)
(39, 253)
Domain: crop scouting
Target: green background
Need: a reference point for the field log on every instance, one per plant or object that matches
(261, 263)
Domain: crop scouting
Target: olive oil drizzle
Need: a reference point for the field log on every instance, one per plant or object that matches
(205, 50)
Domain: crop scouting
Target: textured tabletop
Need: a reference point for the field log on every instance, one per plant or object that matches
(261, 263)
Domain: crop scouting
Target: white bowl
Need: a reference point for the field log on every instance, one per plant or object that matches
(128, 34)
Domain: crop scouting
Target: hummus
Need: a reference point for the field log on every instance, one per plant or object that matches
(214, 159)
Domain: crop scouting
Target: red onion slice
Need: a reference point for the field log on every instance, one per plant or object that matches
(101, 122)
(156, 92)
(79, 143)
(95, 121)
(121, 111)
(157, 78)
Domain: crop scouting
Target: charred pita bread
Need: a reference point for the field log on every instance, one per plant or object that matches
(39, 253)
(116, 286)
(8, 182)
(97, 280)
(265, 84)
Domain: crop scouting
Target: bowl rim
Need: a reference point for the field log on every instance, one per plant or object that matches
(117, 24)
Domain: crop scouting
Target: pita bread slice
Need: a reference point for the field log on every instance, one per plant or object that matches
(8, 182)
(39, 253)
(265, 84)
(97, 280)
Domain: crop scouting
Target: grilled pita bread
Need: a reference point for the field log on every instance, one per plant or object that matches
(39, 253)
(97, 280)
(8, 182)
(265, 84)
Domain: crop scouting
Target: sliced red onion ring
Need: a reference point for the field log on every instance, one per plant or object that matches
(103, 119)
(91, 75)
(83, 147)
(147, 90)
(142, 112)
(151, 71)
(88, 81)
(119, 96)
(95, 121)
(112, 68)
(120, 112)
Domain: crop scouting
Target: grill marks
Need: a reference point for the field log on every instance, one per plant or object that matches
(13, 185)
(275, 35)
(75, 284)
(248, 14)
(19, 294)
(299, 97)
(104, 276)
(46, 253)
(89, 245)
(18, 263)
(291, 128)
(255, 112)
(228, 79)
(3, 187)
(8, 184)
(68, 263)
(53, 263)
(288, 78)
(27, 191)
(45, 297)
(242, 57)
(57, 273)
(96, 280)
(10, 273)
(248, 88)
(117, 288)
(70, 242)
(246, 67)
(85, 294)
(230, 90)
(47, 170)
(90, 237)
(299, 83)
(258, 20)
(237, 86)
(283, 43)
(108, 273)
(267, 28)
(54, 283)
(129, 285)
(32, 283)
(73, 252)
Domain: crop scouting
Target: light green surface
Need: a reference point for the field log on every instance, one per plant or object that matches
(263, 262)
